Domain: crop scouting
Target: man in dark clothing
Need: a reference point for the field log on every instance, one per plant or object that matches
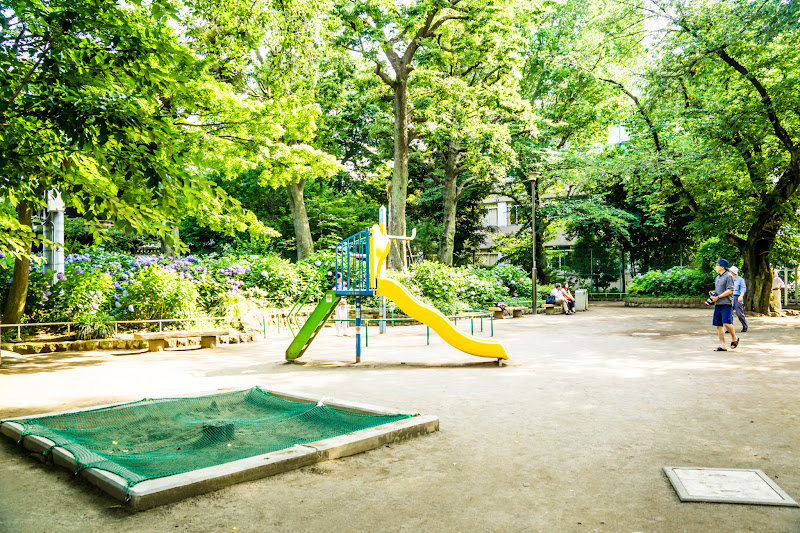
(739, 288)
(722, 296)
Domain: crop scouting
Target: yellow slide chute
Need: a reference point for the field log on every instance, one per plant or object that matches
(438, 322)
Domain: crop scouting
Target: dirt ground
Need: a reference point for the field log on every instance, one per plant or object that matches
(570, 436)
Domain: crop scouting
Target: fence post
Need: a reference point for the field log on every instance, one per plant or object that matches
(428, 336)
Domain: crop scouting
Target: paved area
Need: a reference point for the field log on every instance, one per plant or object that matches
(570, 436)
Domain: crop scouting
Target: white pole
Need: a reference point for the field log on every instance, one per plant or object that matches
(786, 286)
(55, 255)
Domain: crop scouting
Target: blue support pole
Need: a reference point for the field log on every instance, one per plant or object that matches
(358, 329)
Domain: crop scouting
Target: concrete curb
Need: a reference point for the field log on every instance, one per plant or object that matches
(115, 344)
(691, 303)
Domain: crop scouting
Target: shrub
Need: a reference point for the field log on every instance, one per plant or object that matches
(676, 282)
(514, 279)
(713, 249)
(94, 326)
(155, 292)
(81, 294)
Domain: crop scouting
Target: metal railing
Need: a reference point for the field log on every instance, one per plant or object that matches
(454, 318)
(607, 296)
(352, 263)
(116, 323)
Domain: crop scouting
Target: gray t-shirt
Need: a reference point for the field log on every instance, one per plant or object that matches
(724, 282)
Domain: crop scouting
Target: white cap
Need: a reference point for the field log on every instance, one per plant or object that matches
(735, 270)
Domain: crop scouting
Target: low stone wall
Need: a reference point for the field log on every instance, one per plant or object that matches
(697, 303)
(113, 344)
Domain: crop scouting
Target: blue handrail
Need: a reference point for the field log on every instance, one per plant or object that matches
(352, 262)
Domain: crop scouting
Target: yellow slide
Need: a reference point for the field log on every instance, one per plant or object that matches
(440, 324)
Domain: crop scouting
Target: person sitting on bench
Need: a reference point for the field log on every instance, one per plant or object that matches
(568, 297)
(559, 298)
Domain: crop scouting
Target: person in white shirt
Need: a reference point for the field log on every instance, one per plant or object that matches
(341, 307)
(559, 296)
(777, 285)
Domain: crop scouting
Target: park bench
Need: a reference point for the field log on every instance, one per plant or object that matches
(157, 341)
(516, 312)
(550, 309)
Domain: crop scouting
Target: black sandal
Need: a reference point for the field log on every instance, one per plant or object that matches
(721, 349)
(735, 344)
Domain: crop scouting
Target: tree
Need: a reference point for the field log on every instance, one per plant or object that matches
(721, 122)
(466, 101)
(271, 54)
(100, 101)
(572, 111)
(389, 35)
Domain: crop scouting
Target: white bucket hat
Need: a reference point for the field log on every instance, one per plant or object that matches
(735, 270)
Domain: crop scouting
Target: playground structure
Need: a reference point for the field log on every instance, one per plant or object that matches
(360, 261)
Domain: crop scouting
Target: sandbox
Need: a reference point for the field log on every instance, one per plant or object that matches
(158, 451)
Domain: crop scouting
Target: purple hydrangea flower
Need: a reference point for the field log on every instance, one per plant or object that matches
(95, 307)
(61, 276)
(130, 308)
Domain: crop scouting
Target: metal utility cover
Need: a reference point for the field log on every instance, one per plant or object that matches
(726, 485)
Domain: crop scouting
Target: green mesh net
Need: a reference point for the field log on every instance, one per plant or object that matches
(159, 437)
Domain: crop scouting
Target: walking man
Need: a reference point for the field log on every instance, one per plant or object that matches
(722, 296)
(739, 288)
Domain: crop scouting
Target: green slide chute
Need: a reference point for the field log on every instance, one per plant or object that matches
(312, 326)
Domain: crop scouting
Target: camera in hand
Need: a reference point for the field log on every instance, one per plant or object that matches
(710, 300)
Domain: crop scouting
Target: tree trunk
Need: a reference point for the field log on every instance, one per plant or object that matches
(167, 247)
(757, 274)
(541, 258)
(399, 186)
(18, 292)
(302, 230)
(450, 197)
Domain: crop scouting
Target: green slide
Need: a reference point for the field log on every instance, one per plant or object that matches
(312, 326)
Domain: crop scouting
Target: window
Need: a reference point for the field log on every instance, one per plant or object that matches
(490, 219)
(515, 214)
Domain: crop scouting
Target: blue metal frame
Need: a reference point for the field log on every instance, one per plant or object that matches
(353, 262)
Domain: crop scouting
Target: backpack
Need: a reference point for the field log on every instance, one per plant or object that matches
(550, 299)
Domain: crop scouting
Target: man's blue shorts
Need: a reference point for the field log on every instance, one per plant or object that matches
(723, 314)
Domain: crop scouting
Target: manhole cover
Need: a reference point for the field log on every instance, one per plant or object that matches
(723, 485)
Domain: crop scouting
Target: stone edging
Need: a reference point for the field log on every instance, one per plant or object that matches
(113, 344)
(696, 303)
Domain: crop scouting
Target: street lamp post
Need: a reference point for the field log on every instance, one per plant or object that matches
(532, 177)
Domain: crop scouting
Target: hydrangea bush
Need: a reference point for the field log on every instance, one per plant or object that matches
(676, 282)
(127, 288)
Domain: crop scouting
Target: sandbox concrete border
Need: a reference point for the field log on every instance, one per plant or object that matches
(160, 491)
